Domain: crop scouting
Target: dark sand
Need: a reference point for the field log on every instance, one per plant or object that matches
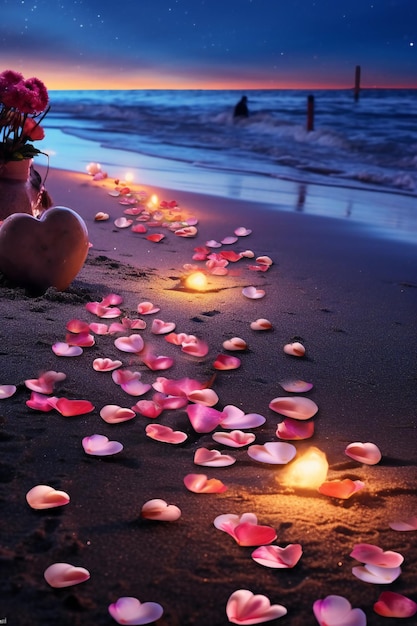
(348, 296)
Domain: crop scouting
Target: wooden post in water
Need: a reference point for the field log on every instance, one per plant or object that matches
(357, 82)
(310, 113)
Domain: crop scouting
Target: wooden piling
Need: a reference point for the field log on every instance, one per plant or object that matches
(357, 87)
(310, 113)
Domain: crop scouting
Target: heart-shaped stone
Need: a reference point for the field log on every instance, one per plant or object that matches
(45, 252)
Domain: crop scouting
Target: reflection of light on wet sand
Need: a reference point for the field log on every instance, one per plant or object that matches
(308, 471)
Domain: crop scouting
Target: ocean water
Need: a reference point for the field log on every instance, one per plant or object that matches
(189, 140)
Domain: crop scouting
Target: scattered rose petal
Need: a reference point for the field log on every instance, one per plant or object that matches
(65, 575)
(212, 458)
(297, 407)
(367, 453)
(103, 311)
(157, 509)
(77, 326)
(99, 445)
(236, 418)
(234, 439)
(277, 557)
(374, 555)
(159, 327)
(404, 526)
(295, 386)
(212, 243)
(342, 489)
(253, 293)
(187, 231)
(337, 611)
(179, 387)
(106, 365)
(376, 575)
(63, 349)
(245, 530)
(155, 237)
(242, 231)
(294, 429)
(123, 222)
(199, 483)
(99, 329)
(46, 497)
(39, 402)
(148, 408)
(165, 434)
(273, 452)
(295, 349)
(139, 228)
(85, 340)
(7, 391)
(261, 324)
(226, 362)
(69, 408)
(391, 604)
(207, 397)
(114, 414)
(133, 343)
(170, 402)
(101, 217)
(248, 254)
(203, 419)
(244, 607)
(156, 363)
(228, 240)
(130, 382)
(235, 343)
(45, 383)
(147, 308)
(129, 610)
(264, 260)
(230, 255)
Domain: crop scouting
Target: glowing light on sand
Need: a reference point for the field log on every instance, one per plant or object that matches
(153, 201)
(196, 281)
(309, 471)
(129, 176)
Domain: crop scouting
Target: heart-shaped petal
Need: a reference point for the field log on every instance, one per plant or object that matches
(297, 407)
(404, 526)
(157, 509)
(261, 324)
(203, 419)
(123, 222)
(7, 391)
(242, 231)
(277, 557)
(65, 575)
(147, 308)
(235, 418)
(294, 429)
(273, 452)
(374, 555)
(235, 343)
(114, 414)
(131, 612)
(165, 434)
(99, 445)
(106, 365)
(77, 326)
(376, 575)
(85, 340)
(367, 453)
(245, 529)
(194, 347)
(70, 408)
(46, 382)
(199, 483)
(64, 349)
(148, 408)
(157, 363)
(391, 604)
(212, 458)
(295, 349)
(39, 402)
(155, 237)
(46, 497)
(295, 385)
(228, 240)
(159, 327)
(226, 362)
(234, 439)
(243, 607)
(206, 397)
(133, 343)
(337, 611)
(342, 489)
(253, 293)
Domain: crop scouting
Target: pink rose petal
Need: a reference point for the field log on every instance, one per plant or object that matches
(159, 327)
(226, 362)
(63, 349)
(194, 347)
(84, 340)
(106, 365)
(157, 363)
(342, 489)
(45, 383)
(242, 231)
(77, 326)
(295, 349)
(253, 293)
(234, 439)
(212, 243)
(139, 228)
(277, 557)
(293, 429)
(7, 391)
(273, 452)
(123, 222)
(99, 309)
(245, 530)
(261, 324)
(199, 483)
(112, 299)
(297, 407)
(374, 555)
(130, 382)
(130, 611)
(159, 510)
(187, 231)
(376, 575)
(178, 387)
(165, 434)
(61, 575)
(169, 402)
(367, 453)
(156, 237)
(69, 408)
(404, 526)
(244, 607)
(203, 419)
(337, 611)
(235, 418)
(207, 397)
(212, 458)
(39, 402)
(147, 308)
(391, 604)
(114, 414)
(148, 408)
(295, 386)
(229, 240)
(99, 329)
(235, 343)
(46, 497)
(99, 445)
(134, 343)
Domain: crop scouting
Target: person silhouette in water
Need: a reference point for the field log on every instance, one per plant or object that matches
(241, 109)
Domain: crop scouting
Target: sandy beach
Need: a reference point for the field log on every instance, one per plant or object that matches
(348, 294)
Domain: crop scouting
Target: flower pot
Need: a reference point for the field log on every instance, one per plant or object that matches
(17, 193)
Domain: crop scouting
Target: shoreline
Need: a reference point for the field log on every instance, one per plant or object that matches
(350, 297)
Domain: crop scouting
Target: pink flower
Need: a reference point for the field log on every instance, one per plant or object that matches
(33, 130)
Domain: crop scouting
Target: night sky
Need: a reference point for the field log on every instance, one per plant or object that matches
(210, 43)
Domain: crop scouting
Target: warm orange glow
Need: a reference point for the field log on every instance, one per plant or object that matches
(129, 176)
(308, 471)
(196, 281)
